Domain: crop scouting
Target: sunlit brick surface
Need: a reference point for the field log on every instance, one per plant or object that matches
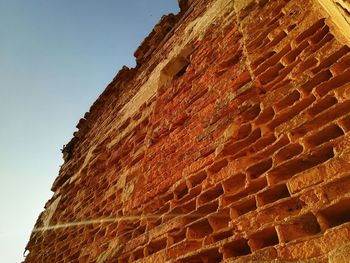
(238, 151)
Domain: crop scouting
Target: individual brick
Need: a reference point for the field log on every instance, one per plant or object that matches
(333, 83)
(194, 192)
(325, 117)
(312, 176)
(332, 59)
(324, 135)
(183, 208)
(292, 55)
(137, 254)
(288, 152)
(205, 209)
(317, 246)
(251, 113)
(217, 166)
(343, 63)
(176, 236)
(299, 227)
(315, 81)
(289, 100)
(290, 168)
(275, 212)
(257, 146)
(290, 112)
(321, 105)
(319, 36)
(310, 31)
(338, 187)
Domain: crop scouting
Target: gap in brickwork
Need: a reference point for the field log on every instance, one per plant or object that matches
(176, 67)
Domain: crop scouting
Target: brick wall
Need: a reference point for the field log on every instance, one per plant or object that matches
(228, 141)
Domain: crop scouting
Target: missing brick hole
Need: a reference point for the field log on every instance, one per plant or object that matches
(176, 67)
(265, 238)
(310, 31)
(139, 231)
(184, 208)
(324, 135)
(221, 235)
(124, 259)
(337, 214)
(251, 113)
(178, 236)
(273, 194)
(182, 71)
(197, 178)
(290, 28)
(260, 168)
(210, 194)
(155, 246)
(253, 187)
(288, 152)
(236, 248)
(243, 207)
(138, 254)
(211, 255)
(181, 190)
(199, 230)
(322, 105)
(206, 208)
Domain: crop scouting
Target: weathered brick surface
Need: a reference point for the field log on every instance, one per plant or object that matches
(228, 142)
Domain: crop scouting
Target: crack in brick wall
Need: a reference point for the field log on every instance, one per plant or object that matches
(240, 153)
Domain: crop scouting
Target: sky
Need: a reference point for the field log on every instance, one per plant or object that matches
(56, 57)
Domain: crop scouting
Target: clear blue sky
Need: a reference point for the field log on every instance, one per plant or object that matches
(56, 57)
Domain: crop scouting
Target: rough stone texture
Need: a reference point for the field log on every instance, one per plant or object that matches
(228, 142)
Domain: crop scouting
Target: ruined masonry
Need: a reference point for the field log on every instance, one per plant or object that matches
(228, 142)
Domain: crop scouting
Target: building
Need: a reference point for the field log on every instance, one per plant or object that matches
(229, 141)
